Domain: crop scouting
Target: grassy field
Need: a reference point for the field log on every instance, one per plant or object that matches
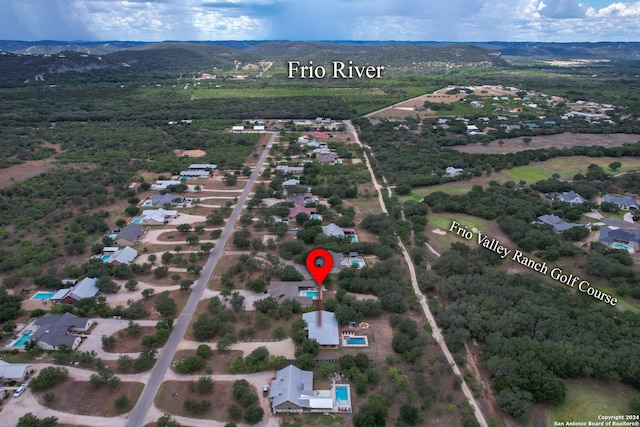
(566, 167)
(586, 399)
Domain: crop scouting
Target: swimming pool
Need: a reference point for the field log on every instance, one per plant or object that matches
(352, 238)
(43, 295)
(137, 220)
(342, 393)
(358, 263)
(105, 257)
(313, 294)
(356, 340)
(26, 335)
(621, 246)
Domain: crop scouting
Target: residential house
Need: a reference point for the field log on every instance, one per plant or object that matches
(303, 292)
(55, 330)
(294, 211)
(330, 159)
(556, 223)
(202, 166)
(570, 197)
(323, 327)
(625, 202)
(292, 392)
(124, 255)
(304, 139)
(618, 238)
(160, 200)
(451, 171)
(195, 174)
(129, 235)
(157, 216)
(333, 230)
(291, 182)
(18, 372)
(258, 128)
(161, 184)
(322, 135)
(301, 199)
(86, 288)
(294, 170)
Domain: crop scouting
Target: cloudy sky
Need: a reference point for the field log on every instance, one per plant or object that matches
(433, 20)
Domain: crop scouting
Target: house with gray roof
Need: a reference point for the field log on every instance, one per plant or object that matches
(558, 224)
(86, 288)
(55, 330)
(124, 255)
(618, 238)
(160, 200)
(625, 202)
(292, 392)
(14, 371)
(129, 235)
(281, 291)
(570, 197)
(157, 216)
(332, 230)
(327, 332)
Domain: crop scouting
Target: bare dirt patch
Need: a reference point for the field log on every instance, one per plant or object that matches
(24, 171)
(190, 153)
(172, 394)
(564, 140)
(93, 401)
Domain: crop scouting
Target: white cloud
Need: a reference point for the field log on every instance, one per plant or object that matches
(450, 20)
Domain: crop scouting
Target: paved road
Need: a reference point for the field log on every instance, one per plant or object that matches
(139, 412)
(437, 333)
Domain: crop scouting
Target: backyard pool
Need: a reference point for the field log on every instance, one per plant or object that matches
(352, 238)
(356, 340)
(43, 295)
(23, 339)
(358, 263)
(342, 393)
(313, 294)
(137, 220)
(621, 246)
(105, 257)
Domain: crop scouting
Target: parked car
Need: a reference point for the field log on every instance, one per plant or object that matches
(20, 390)
(265, 390)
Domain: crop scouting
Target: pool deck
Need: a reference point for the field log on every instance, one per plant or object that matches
(341, 405)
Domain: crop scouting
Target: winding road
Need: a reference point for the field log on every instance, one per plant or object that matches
(437, 332)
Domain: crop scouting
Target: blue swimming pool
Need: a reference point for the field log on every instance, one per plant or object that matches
(342, 393)
(43, 295)
(356, 340)
(352, 238)
(26, 335)
(358, 263)
(621, 246)
(313, 294)
(137, 220)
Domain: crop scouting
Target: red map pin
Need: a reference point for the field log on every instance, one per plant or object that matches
(319, 264)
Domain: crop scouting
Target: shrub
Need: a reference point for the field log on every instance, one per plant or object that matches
(48, 377)
(189, 365)
(204, 351)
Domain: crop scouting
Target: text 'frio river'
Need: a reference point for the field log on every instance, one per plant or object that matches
(518, 256)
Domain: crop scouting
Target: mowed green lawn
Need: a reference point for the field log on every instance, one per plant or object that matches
(566, 167)
(586, 399)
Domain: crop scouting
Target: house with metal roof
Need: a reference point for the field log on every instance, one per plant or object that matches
(292, 392)
(195, 174)
(157, 216)
(332, 230)
(570, 197)
(325, 330)
(159, 200)
(625, 202)
(18, 372)
(86, 288)
(124, 255)
(55, 330)
(557, 223)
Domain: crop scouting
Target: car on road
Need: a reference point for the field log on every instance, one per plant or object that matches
(20, 390)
